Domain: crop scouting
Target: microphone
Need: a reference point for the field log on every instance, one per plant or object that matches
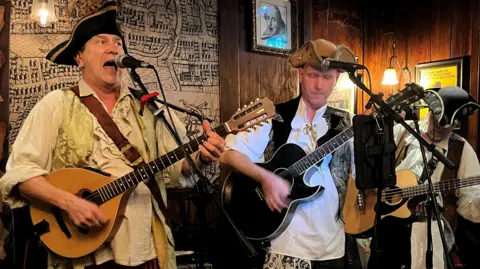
(125, 61)
(331, 64)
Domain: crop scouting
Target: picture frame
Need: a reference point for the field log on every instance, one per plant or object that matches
(450, 72)
(344, 96)
(275, 28)
(442, 73)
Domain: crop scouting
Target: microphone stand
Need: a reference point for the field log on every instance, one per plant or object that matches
(389, 112)
(203, 185)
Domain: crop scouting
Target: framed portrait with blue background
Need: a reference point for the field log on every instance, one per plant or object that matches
(275, 26)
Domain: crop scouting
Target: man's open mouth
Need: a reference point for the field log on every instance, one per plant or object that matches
(110, 63)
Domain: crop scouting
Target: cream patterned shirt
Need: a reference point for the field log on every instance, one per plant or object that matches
(32, 156)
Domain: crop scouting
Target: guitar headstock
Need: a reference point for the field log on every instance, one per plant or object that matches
(410, 94)
(251, 115)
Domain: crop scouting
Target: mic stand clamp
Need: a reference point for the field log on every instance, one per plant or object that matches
(203, 185)
(389, 112)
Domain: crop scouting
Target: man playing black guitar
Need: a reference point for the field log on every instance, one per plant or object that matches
(403, 241)
(315, 237)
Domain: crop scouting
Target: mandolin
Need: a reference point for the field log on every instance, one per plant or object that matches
(65, 239)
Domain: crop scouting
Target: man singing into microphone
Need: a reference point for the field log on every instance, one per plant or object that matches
(315, 237)
(61, 132)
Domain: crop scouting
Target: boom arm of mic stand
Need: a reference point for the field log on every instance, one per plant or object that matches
(390, 112)
(138, 94)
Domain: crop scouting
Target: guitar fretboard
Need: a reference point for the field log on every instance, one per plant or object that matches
(146, 171)
(441, 186)
(321, 152)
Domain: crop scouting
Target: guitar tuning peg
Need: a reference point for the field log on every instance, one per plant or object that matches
(238, 109)
(261, 124)
(251, 103)
(258, 99)
(245, 106)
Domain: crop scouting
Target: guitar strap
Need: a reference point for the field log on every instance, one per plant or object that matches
(455, 149)
(128, 150)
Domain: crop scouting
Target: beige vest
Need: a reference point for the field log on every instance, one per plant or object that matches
(74, 147)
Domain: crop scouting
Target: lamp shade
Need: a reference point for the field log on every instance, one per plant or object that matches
(390, 77)
(43, 12)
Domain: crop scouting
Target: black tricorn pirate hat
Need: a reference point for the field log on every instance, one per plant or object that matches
(450, 104)
(103, 21)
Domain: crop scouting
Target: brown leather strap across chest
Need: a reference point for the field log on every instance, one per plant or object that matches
(130, 152)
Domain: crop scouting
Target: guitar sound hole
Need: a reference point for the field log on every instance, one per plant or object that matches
(393, 196)
(83, 230)
(83, 193)
(288, 178)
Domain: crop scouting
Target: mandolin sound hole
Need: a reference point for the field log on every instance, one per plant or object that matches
(393, 196)
(83, 193)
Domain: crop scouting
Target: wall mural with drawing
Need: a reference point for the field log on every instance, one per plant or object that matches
(178, 37)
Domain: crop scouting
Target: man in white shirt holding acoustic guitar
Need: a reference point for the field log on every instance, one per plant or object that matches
(315, 237)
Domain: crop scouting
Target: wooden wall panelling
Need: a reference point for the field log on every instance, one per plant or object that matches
(473, 137)
(422, 35)
(320, 19)
(376, 51)
(305, 7)
(442, 30)
(461, 46)
(228, 36)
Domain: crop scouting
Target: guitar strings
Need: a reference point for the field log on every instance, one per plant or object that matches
(96, 194)
(421, 188)
(343, 135)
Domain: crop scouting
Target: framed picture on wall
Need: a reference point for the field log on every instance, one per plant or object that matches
(344, 95)
(438, 74)
(275, 26)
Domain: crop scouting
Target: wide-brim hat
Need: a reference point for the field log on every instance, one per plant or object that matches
(103, 21)
(315, 51)
(450, 104)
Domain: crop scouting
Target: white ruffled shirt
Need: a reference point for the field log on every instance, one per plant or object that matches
(314, 232)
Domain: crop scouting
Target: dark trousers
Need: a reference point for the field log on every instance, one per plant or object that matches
(394, 245)
(152, 264)
(330, 264)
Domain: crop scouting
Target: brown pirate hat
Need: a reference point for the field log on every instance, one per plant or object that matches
(315, 51)
(103, 21)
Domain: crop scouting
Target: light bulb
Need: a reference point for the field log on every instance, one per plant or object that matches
(390, 77)
(43, 14)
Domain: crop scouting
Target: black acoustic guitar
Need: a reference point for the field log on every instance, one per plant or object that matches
(243, 197)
